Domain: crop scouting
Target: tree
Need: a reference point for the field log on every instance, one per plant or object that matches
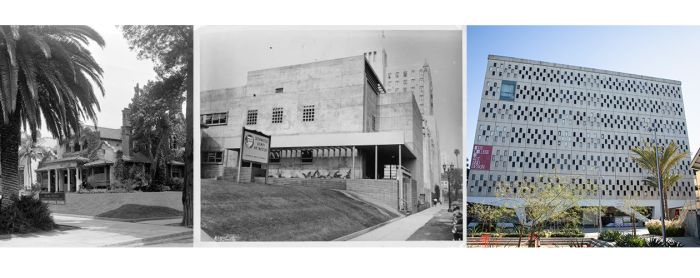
(550, 199)
(670, 157)
(456, 152)
(170, 48)
(157, 122)
(29, 151)
(46, 77)
(631, 207)
(488, 216)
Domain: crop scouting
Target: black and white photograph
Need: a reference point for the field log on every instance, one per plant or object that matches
(331, 134)
(94, 136)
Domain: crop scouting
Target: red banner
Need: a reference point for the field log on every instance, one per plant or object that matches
(481, 157)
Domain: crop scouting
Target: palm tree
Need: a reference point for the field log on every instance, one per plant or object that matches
(46, 78)
(29, 151)
(670, 157)
(457, 160)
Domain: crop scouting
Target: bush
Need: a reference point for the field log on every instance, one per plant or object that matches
(564, 233)
(629, 240)
(673, 227)
(658, 242)
(120, 186)
(609, 235)
(175, 184)
(26, 215)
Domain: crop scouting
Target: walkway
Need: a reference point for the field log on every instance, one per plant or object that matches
(402, 229)
(438, 228)
(76, 231)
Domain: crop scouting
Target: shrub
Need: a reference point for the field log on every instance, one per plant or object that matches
(629, 240)
(609, 235)
(175, 184)
(25, 215)
(673, 227)
(564, 233)
(658, 242)
(119, 186)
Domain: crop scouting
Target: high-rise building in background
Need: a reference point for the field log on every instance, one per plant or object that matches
(539, 119)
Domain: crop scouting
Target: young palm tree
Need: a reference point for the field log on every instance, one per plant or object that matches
(669, 158)
(46, 78)
(29, 151)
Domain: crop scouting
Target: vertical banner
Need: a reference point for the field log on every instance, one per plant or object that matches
(481, 157)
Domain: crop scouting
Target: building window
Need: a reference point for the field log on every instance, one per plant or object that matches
(277, 115)
(279, 90)
(212, 157)
(308, 113)
(507, 90)
(252, 117)
(307, 156)
(275, 156)
(214, 119)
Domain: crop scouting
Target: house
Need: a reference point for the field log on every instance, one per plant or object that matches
(88, 159)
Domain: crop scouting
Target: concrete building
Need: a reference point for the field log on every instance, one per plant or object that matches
(329, 120)
(540, 119)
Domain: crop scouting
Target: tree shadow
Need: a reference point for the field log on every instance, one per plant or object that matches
(134, 212)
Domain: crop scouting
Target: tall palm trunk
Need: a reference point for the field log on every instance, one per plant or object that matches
(187, 205)
(9, 158)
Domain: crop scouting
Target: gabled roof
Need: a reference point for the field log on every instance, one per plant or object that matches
(110, 133)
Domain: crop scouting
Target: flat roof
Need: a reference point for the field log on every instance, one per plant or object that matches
(593, 70)
(333, 139)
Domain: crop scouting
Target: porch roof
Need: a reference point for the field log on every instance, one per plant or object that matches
(99, 162)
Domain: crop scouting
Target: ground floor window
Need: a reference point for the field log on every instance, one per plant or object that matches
(307, 156)
(212, 157)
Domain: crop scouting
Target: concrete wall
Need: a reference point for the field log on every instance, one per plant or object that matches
(381, 192)
(399, 111)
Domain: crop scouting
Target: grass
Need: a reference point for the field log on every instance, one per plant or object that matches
(258, 212)
(127, 206)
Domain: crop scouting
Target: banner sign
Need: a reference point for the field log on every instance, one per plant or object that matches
(481, 157)
(255, 146)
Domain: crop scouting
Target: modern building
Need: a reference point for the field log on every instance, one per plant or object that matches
(329, 120)
(539, 119)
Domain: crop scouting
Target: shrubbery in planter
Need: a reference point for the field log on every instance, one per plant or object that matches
(629, 240)
(673, 227)
(658, 242)
(609, 235)
(26, 215)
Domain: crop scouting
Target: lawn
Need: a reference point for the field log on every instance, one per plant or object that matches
(258, 212)
(126, 206)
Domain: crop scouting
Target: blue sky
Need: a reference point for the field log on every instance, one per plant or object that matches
(661, 51)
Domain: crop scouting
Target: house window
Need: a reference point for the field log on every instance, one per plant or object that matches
(507, 90)
(277, 115)
(212, 157)
(214, 119)
(308, 113)
(279, 90)
(252, 118)
(307, 156)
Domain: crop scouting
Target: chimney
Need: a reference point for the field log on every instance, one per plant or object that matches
(126, 132)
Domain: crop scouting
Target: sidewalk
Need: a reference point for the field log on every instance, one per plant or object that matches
(87, 232)
(402, 229)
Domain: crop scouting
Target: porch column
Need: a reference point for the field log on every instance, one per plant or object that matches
(352, 176)
(78, 180)
(55, 177)
(376, 166)
(69, 180)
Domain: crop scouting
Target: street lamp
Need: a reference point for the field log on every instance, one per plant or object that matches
(449, 185)
(661, 189)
